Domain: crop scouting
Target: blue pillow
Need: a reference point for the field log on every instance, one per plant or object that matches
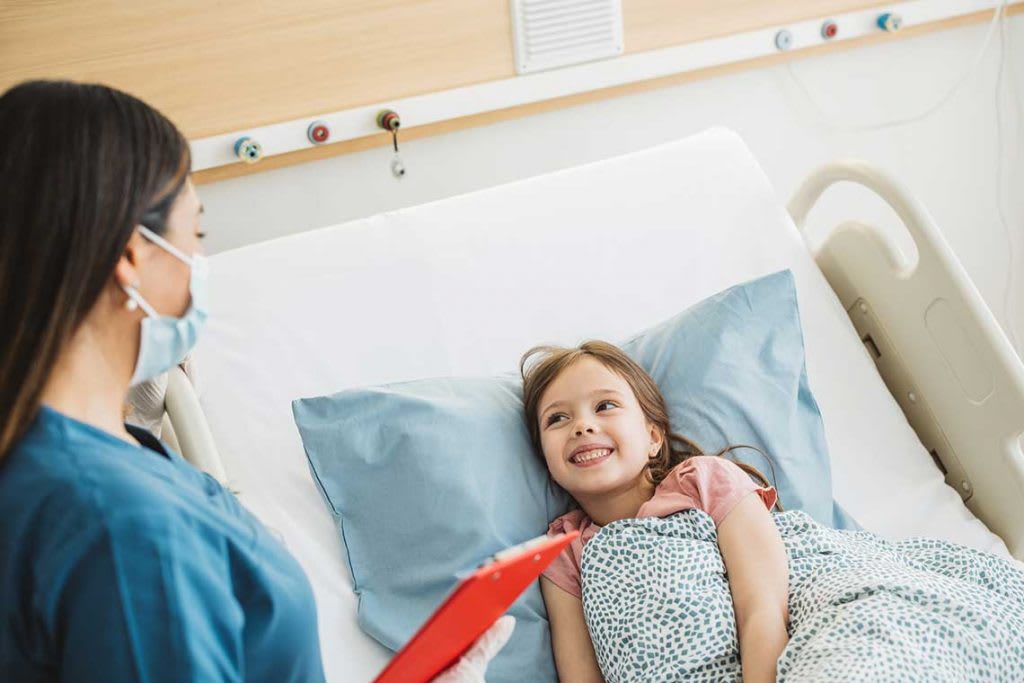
(732, 371)
(426, 479)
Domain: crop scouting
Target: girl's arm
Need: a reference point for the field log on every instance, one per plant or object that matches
(570, 639)
(758, 572)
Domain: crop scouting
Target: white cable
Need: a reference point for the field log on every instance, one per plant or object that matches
(826, 121)
(999, 20)
(1008, 308)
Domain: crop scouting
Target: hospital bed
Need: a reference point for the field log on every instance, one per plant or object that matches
(463, 286)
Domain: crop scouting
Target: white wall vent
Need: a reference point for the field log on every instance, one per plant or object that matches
(553, 33)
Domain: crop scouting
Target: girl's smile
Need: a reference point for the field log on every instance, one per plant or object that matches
(590, 455)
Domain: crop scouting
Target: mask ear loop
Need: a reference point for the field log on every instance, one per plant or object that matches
(167, 246)
(131, 304)
(135, 301)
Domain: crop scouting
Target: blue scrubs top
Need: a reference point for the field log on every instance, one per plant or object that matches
(124, 563)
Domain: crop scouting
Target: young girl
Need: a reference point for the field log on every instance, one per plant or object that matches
(602, 426)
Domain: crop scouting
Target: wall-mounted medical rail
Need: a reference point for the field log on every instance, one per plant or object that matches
(359, 122)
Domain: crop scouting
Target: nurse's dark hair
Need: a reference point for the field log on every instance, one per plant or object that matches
(80, 167)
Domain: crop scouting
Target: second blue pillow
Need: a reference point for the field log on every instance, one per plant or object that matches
(732, 371)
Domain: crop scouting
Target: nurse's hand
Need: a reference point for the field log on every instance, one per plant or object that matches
(471, 668)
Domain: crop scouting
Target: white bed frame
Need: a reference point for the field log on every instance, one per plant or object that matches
(936, 344)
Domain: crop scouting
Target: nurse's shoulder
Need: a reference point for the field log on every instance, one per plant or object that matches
(108, 561)
(68, 488)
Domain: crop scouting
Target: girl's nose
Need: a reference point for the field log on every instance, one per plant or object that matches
(582, 427)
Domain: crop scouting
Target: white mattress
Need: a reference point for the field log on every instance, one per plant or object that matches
(465, 285)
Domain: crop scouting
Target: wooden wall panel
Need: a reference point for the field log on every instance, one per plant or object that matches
(232, 64)
(220, 66)
(215, 66)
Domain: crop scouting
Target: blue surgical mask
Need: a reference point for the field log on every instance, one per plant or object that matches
(166, 340)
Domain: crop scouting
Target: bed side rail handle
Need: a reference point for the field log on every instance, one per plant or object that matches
(190, 426)
(945, 346)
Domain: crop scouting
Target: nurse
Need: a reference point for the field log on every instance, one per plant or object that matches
(118, 560)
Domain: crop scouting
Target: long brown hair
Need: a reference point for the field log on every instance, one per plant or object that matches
(81, 165)
(542, 364)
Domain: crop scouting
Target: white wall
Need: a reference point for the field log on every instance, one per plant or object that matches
(949, 160)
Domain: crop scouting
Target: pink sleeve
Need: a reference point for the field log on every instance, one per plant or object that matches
(709, 483)
(721, 484)
(565, 573)
(564, 570)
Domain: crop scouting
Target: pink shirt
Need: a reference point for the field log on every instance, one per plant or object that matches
(704, 482)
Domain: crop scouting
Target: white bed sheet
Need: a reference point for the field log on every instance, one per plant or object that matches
(465, 285)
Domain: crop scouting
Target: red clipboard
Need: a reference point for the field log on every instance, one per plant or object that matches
(471, 608)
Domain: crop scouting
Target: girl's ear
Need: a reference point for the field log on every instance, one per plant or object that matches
(657, 438)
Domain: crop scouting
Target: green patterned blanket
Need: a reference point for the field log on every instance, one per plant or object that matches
(658, 606)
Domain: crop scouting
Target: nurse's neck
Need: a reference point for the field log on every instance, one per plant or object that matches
(89, 382)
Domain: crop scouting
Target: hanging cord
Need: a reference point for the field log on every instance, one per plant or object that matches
(999, 22)
(826, 121)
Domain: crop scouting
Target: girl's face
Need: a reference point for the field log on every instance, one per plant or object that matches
(593, 432)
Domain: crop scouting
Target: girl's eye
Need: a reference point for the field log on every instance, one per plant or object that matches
(201, 235)
(552, 419)
(610, 404)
